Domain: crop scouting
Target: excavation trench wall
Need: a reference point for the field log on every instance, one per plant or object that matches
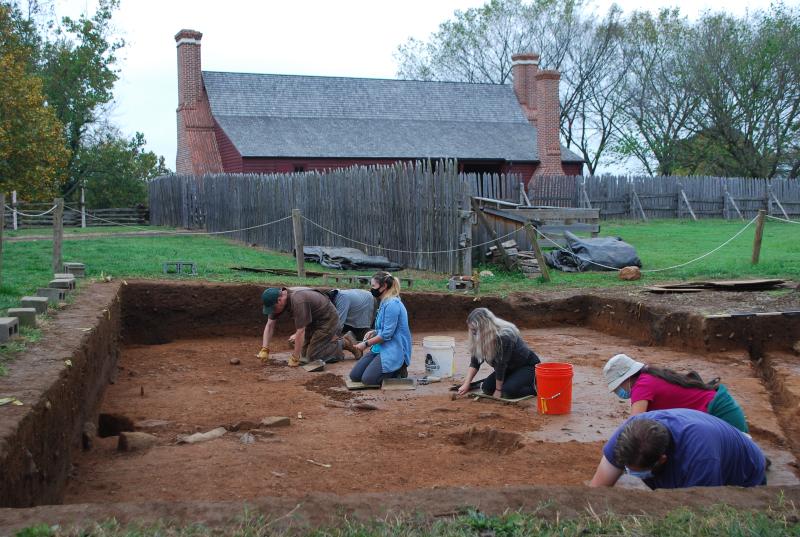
(38, 438)
(60, 381)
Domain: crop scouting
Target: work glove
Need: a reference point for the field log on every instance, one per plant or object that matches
(294, 361)
(263, 354)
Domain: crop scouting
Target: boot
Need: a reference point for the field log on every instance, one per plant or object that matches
(349, 344)
(263, 354)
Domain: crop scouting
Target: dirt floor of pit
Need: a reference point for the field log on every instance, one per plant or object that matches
(414, 439)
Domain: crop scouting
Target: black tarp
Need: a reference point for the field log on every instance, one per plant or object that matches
(604, 253)
(335, 257)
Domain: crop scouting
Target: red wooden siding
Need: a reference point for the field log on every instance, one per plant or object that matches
(231, 159)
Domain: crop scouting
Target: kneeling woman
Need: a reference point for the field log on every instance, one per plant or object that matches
(390, 343)
(499, 344)
(657, 388)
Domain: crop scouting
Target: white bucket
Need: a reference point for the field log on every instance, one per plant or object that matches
(439, 354)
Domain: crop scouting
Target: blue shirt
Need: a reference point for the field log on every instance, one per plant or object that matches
(704, 452)
(392, 325)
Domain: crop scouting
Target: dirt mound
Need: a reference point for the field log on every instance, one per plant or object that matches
(488, 439)
(330, 386)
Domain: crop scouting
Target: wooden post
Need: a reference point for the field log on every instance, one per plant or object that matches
(466, 232)
(523, 196)
(537, 251)
(297, 227)
(58, 234)
(492, 232)
(688, 205)
(2, 226)
(778, 202)
(13, 208)
(759, 234)
(83, 207)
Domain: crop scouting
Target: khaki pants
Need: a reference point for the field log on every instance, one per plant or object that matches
(320, 344)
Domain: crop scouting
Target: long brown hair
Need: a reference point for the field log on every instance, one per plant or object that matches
(692, 379)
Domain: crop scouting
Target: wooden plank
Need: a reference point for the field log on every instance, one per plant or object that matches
(537, 251)
(492, 233)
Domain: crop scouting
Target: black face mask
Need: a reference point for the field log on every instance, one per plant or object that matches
(376, 292)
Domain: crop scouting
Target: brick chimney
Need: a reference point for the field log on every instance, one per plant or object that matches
(537, 93)
(198, 152)
(523, 72)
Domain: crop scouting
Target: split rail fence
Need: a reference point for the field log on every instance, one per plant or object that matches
(130, 216)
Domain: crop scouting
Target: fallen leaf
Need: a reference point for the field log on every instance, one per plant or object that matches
(68, 363)
(12, 400)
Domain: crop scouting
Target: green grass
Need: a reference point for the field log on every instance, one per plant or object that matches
(48, 231)
(719, 521)
(26, 265)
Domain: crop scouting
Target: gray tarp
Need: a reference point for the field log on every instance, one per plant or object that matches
(608, 251)
(347, 259)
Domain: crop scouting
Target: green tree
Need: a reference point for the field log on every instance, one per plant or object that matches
(117, 170)
(33, 154)
(78, 67)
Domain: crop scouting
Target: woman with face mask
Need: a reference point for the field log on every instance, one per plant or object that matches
(499, 344)
(389, 344)
(657, 388)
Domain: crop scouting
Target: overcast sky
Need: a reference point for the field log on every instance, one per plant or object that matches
(311, 37)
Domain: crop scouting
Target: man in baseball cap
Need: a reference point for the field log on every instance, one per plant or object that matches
(315, 320)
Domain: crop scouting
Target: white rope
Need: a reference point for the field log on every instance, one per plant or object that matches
(48, 211)
(782, 219)
(412, 251)
(162, 233)
(653, 270)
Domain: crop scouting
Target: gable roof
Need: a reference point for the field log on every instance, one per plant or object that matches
(313, 116)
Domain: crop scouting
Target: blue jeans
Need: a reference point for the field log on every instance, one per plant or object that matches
(369, 370)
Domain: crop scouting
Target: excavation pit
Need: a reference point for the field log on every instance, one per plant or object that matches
(160, 353)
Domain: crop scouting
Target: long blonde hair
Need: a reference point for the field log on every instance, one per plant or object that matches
(485, 343)
(392, 284)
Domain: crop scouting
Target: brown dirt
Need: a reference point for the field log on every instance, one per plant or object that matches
(180, 336)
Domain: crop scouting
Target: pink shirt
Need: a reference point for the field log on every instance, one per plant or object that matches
(663, 395)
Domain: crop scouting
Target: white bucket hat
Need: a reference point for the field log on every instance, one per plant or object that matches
(619, 368)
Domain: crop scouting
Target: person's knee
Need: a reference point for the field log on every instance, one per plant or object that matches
(355, 375)
(372, 377)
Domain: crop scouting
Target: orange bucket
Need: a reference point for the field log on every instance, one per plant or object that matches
(554, 388)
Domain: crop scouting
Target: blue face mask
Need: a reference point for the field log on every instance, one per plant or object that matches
(622, 393)
(641, 474)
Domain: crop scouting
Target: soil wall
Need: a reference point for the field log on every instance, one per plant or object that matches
(60, 381)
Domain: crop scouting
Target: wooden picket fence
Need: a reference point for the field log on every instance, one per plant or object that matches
(419, 210)
(623, 197)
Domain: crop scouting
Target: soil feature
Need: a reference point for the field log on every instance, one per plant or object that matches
(330, 386)
(488, 439)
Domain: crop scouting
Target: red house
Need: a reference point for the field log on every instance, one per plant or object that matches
(253, 123)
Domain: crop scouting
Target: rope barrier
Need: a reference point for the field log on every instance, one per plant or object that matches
(190, 232)
(48, 211)
(782, 219)
(654, 270)
(411, 251)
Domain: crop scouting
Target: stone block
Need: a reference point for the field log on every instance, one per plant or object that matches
(39, 303)
(275, 421)
(9, 327)
(26, 316)
(135, 441)
(62, 284)
(77, 269)
(52, 294)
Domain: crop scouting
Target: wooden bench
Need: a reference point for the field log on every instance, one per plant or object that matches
(353, 279)
(179, 265)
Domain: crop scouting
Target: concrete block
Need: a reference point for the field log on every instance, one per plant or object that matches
(53, 295)
(62, 284)
(275, 421)
(78, 269)
(26, 316)
(9, 327)
(63, 276)
(39, 303)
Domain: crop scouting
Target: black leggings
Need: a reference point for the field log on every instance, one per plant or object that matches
(518, 383)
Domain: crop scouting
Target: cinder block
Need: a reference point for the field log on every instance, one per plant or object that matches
(62, 284)
(78, 269)
(26, 316)
(63, 276)
(53, 295)
(9, 327)
(39, 303)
